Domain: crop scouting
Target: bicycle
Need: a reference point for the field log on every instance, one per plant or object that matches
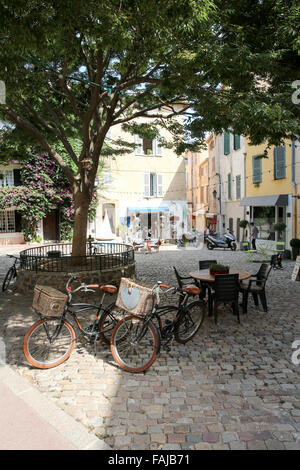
(50, 341)
(11, 273)
(136, 341)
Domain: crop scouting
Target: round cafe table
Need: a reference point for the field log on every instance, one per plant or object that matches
(205, 276)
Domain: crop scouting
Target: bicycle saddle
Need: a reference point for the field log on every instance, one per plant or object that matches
(192, 289)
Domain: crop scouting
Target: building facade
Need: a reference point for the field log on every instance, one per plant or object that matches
(269, 190)
(296, 188)
(197, 189)
(143, 193)
(10, 219)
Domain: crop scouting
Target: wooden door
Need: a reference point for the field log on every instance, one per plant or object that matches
(50, 226)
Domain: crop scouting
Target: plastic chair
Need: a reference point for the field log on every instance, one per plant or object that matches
(226, 289)
(256, 286)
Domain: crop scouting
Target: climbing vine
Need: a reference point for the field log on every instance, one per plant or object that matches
(44, 187)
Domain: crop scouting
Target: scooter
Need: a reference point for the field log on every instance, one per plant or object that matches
(227, 241)
(190, 239)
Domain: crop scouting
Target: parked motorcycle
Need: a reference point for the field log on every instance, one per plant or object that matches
(226, 241)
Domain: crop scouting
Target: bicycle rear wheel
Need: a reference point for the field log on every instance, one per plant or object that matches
(11, 274)
(134, 344)
(49, 342)
(191, 322)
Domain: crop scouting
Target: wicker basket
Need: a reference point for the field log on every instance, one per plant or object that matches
(49, 301)
(135, 297)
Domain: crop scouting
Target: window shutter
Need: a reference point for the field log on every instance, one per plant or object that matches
(256, 165)
(279, 162)
(238, 187)
(147, 184)
(226, 143)
(159, 184)
(139, 145)
(157, 147)
(229, 185)
(236, 142)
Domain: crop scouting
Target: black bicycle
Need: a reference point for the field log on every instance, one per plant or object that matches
(50, 341)
(136, 340)
(11, 274)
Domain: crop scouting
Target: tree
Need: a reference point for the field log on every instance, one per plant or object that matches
(255, 90)
(75, 69)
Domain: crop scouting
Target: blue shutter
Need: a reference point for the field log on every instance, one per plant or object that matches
(226, 143)
(229, 185)
(279, 162)
(236, 142)
(256, 165)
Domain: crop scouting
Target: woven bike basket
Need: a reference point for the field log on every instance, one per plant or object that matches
(134, 297)
(49, 301)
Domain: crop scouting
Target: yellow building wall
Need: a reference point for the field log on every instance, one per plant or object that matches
(268, 186)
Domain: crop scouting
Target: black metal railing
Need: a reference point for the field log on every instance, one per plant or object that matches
(58, 257)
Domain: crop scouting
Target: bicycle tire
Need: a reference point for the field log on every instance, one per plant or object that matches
(7, 280)
(107, 322)
(125, 348)
(189, 326)
(38, 350)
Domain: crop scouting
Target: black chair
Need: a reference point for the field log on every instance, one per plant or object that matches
(205, 264)
(186, 281)
(226, 289)
(256, 286)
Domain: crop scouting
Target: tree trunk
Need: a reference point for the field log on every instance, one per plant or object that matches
(81, 207)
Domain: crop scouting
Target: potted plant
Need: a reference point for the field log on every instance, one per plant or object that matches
(295, 244)
(280, 227)
(243, 224)
(218, 269)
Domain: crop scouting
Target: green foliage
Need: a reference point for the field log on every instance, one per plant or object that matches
(295, 242)
(220, 268)
(279, 226)
(243, 223)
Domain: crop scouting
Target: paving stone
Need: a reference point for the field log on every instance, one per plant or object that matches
(234, 393)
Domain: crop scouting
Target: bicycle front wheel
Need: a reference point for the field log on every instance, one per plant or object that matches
(134, 344)
(190, 322)
(7, 280)
(49, 342)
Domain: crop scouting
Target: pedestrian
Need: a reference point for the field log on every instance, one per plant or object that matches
(253, 235)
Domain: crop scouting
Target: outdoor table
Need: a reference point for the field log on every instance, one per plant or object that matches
(203, 275)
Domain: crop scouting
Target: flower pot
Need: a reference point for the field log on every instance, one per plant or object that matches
(213, 273)
(295, 251)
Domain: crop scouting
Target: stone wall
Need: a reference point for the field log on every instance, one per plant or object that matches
(26, 280)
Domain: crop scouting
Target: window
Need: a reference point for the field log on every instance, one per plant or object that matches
(153, 185)
(226, 143)
(238, 186)
(236, 142)
(7, 221)
(147, 146)
(229, 185)
(279, 162)
(256, 166)
(6, 178)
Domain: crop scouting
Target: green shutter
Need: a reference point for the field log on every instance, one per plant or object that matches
(226, 143)
(279, 162)
(238, 187)
(256, 165)
(229, 185)
(236, 142)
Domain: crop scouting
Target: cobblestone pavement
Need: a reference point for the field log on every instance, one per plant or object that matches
(232, 387)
